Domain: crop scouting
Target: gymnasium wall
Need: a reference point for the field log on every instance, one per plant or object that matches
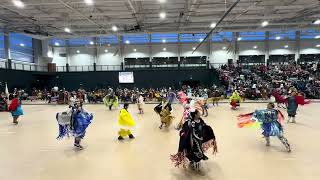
(90, 80)
(216, 53)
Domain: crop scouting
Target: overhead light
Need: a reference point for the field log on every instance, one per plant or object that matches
(22, 45)
(162, 1)
(318, 45)
(201, 39)
(164, 41)
(164, 49)
(127, 42)
(109, 45)
(213, 25)
(224, 48)
(106, 50)
(78, 51)
(194, 48)
(278, 38)
(57, 44)
(91, 42)
(135, 50)
(264, 23)
(67, 30)
(255, 47)
(18, 3)
(317, 37)
(162, 15)
(316, 22)
(239, 39)
(286, 46)
(114, 28)
(89, 2)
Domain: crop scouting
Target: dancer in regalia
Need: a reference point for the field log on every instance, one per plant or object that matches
(74, 122)
(293, 101)
(125, 122)
(165, 115)
(110, 101)
(15, 108)
(270, 120)
(140, 103)
(235, 100)
(196, 137)
(280, 100)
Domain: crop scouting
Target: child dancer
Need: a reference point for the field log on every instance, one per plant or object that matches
(195, 138)
(16, 109)
(75, 122)
(126, 122)
(270, 121)
(293, 101)
(235, 100)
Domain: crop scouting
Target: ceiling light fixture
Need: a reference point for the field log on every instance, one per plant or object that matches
(316, 22)
(164, 41)
(162, 1)
(135, 50)
(201, 39)
(194, 48)
(91, 42)
(106, 50)
(164, 49)
(89, 2)
(162, 15)
(18, 3)
(318, 45)
(278, 38)
(264, 23)
(22, 45)
(114, 28)
(57, 44)
(127, 42)
(255, 47)
(213, 25)
(78, 51)
(224, 48)
(67, 30)
(317, 37)
(239, 39)
(286, 46)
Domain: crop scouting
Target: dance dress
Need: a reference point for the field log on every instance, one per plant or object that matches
(125, 122)
(15, 107)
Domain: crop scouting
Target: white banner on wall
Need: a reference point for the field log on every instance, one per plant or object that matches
(126, 77)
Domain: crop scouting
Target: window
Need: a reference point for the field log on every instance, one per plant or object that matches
(281, 35)
(164, 38)
(309, 34)
(192, 37)
(222, 36)
(1, 45)
(80, 41)
(252, 36)
(108, 40)
(136, 39)
(21, 47)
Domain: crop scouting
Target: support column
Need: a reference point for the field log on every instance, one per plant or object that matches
(209, 47)
(179, 51)
(150, 51)
(96, 54)
(7, 54)
(236, 47)
(121, 52)
(266, 47)
(297, 46)
(68, 54)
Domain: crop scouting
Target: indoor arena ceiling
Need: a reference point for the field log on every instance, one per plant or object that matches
(97, 17)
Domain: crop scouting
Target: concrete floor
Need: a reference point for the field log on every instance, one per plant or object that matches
(30, 151)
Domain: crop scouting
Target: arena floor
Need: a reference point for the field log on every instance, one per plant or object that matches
(30, 151)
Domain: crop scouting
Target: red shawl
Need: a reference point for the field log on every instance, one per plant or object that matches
(14, 105)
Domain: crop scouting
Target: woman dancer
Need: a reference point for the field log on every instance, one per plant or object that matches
(75, 121)
(125, 122)
(196, 137)
(110, 101)
(270, 121)
(15, 108)
(293, 101)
